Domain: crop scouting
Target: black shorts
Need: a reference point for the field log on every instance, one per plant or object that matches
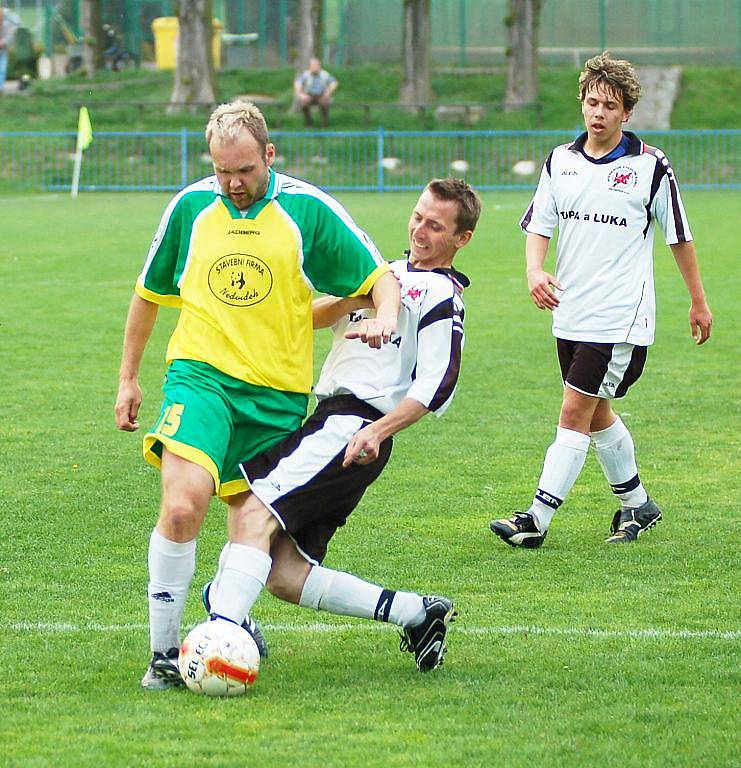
(302, 481)
(601, 370)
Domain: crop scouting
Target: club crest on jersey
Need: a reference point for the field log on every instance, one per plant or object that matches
(240, 280)
(414, 293)
(622, 179)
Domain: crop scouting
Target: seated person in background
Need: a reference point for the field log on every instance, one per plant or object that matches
(314, 87)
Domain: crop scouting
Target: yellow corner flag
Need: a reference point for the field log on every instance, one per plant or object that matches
(84, 139)
(84, 130)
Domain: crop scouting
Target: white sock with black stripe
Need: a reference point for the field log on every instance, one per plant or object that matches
(347, 595)
(564, 460)
(617, 457)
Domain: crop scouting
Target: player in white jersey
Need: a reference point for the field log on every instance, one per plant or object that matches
(603, 192)
(306, 486)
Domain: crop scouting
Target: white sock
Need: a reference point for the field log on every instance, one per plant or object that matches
(564, 460)
(171, 569)
(617, 456)
(347, 595)
(222, 560)
(242, 577)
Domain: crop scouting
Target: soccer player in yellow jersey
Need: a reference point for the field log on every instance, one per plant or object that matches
(240, 254)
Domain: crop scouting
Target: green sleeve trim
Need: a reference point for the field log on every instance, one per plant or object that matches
(169, 251)
(338, 257)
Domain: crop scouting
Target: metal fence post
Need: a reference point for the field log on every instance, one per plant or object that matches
(283, 41)
(262, 31)
(184, 157)
(381, 154)
(48, 31)
(463, 34)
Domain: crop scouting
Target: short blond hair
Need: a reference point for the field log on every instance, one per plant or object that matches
(227, 121)
(617, 76)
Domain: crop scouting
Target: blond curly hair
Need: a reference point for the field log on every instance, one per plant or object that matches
(616, 76)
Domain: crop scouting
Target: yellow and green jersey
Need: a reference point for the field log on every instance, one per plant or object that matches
(243, 280)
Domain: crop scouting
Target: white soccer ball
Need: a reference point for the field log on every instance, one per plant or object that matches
(218, 658)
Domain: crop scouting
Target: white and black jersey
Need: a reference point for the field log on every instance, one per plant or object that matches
(423, 358)
(605, 211)
(301, 479)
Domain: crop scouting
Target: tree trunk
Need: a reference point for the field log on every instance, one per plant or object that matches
(309, 32)
(309, 36)
(522, 53)
(194, 82)
(92, 33)
(415, 54)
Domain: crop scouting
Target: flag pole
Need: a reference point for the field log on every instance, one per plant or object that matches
(84, 139)
(76, 172)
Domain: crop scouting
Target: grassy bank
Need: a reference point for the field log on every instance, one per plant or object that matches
(135, 100)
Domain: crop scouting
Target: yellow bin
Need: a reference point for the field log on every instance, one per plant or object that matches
(165, 31)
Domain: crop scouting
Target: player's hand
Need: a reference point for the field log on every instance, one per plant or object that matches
(701, 322)
(128, 401)
(362, 448)
(541, 285)
(374, 331)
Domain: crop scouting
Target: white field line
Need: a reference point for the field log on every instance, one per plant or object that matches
(649, 633)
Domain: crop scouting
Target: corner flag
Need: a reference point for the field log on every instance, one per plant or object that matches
(84, 129)
(84, 139)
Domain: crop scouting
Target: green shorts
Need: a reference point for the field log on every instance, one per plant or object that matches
(217, 421)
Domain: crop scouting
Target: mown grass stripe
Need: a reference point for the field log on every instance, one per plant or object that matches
(648, 633)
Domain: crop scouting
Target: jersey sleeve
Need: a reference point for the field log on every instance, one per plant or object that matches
(158, 281)
(666, 205)
(338, 257)
(440, 340)
(541, 216)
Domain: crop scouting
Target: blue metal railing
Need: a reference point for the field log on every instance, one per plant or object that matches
(377, 160)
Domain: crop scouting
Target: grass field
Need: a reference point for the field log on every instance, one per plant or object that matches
(578, 654)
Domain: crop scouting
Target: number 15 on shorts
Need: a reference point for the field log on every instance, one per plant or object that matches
(170, 420)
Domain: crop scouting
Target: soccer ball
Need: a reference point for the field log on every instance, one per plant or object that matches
(219, 658)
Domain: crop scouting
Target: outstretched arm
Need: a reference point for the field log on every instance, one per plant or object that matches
(364, 445)
(139, 324)
(327, 310)
(439, 346)
(701, 318)
(387, 301)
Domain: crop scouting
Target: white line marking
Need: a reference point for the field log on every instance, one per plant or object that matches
(650, 633)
